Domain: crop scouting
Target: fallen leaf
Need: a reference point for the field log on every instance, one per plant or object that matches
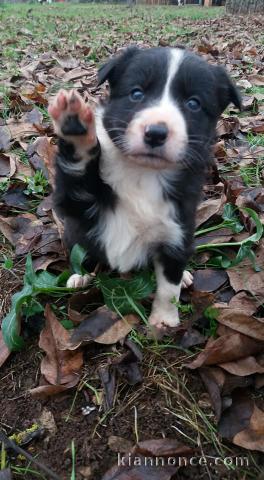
(226, 348)
(47, 421)
(243, 277)
(243, 422)
(34, 116)
(252, 437)
(46, 151)
(75, 73)
(5, 138)
(257, 80)
(21, 129)
(246, 303)
(60, 367)
(164, 447)
(46, 390)
(66, 61)
(4, 350)
(135, 467)
(15, 197)
(244, 366)
(127, 365)
(227, 126)
(102, 326)
(79, 301)
(208, 208)
(5, 167)
(241, 322)
(209, 280)
(107, 375)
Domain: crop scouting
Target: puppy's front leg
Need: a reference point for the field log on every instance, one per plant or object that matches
(74, 123)
(170, 281)
(78, 145)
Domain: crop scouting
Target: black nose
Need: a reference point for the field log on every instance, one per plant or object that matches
(156, 134)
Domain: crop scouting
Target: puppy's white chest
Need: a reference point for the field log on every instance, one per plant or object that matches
(141, 221)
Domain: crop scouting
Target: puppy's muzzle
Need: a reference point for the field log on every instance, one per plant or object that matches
(155, 135)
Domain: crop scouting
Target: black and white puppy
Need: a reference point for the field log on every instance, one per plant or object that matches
(129, 177)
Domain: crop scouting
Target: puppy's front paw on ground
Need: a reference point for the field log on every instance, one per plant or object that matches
(187, 279)
(72, 118)
(163, 319)
(78, 281)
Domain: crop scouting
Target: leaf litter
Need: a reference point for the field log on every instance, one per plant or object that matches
(111, 315)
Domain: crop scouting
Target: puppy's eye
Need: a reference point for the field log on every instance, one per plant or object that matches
(193, 104)
(136, 95)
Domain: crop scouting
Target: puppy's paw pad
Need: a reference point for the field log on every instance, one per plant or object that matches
(187, 279)
(78, 281)
(71, 115)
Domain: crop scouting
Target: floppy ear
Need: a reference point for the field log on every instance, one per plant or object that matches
(112, 70)
(227, 91)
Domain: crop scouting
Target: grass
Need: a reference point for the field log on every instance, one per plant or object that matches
(252, 175)
(101, 25)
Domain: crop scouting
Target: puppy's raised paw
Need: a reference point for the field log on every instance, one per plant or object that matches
(78, 281)
(73, 119)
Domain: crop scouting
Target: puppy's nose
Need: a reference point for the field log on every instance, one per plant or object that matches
(156, 134)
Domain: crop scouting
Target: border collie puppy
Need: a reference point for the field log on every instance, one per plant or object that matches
(129, 177)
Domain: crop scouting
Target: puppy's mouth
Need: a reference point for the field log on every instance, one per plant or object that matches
(150, 160)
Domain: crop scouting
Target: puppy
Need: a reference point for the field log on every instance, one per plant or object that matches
(129, 177)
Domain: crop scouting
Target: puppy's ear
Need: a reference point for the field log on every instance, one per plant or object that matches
(227, 91)
(112, 70)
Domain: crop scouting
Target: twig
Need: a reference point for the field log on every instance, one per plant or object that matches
(10, 444)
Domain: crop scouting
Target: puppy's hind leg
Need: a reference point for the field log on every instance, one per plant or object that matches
(79, 281)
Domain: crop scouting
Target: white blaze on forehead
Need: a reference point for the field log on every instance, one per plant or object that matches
(175, 59)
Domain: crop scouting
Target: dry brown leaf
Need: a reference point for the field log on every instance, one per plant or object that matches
(252, 437)
(208, 208)
(60, 367)
(4, 350)
(76, 73)
(243, 367)
(243, 301)
(209, 280)
(47, 390)
(47, 421)
(46, 151)
(227, 126)
(7, 165)
(102, 326)
(243, 277)
(66, 61)
(5, 138)
(79, 301)
(241, 322)
(243, 422)
(256, 79)
(220, 384)
(226, 348)
(21, 129)
(161, 448)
